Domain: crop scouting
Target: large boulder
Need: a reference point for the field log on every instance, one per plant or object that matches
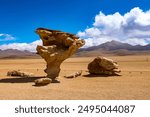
(103, 66)
(57, 46)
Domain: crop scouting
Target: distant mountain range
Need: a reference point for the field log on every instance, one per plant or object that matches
(114, 48)
(14, 53)
(108, 48)
(115, 45)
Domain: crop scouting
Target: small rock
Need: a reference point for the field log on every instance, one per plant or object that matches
(42, 81)
(19, 73)
(74, 75)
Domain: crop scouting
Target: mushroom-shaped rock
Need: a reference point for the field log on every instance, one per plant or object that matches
(103, 66)
(57, 46)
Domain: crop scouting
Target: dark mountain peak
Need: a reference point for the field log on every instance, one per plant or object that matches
(114, 42)
(148, 46)
(114, 45)
(110, 45)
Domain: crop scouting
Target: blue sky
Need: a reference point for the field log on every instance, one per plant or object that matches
(20, 18)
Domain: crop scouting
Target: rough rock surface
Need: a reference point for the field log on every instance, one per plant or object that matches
(103, 66)
(19, 73)
(74, 75)
(42, 81)
(57, 46)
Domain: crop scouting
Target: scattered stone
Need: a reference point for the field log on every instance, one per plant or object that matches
(42, 81)
(19, 73)
(57, 46)
(74, 75)
(103, 66)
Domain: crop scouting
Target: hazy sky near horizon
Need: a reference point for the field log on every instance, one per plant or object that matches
(20, 18)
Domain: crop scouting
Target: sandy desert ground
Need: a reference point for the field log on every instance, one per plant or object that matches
(133, 84)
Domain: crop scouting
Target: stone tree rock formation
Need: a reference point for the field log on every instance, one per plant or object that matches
(57, 46)
(103, 66)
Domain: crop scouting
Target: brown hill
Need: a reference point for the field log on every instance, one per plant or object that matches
(114, 48)
(14, 53)
(108, 48)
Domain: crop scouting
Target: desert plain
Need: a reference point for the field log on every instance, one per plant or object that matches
(132, 84)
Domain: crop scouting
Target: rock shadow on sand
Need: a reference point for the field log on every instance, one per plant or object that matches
(20, 79)
(100, 75)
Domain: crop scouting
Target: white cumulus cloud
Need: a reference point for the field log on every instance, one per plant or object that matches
(22, 46)
(133, 27)
(6, 37)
